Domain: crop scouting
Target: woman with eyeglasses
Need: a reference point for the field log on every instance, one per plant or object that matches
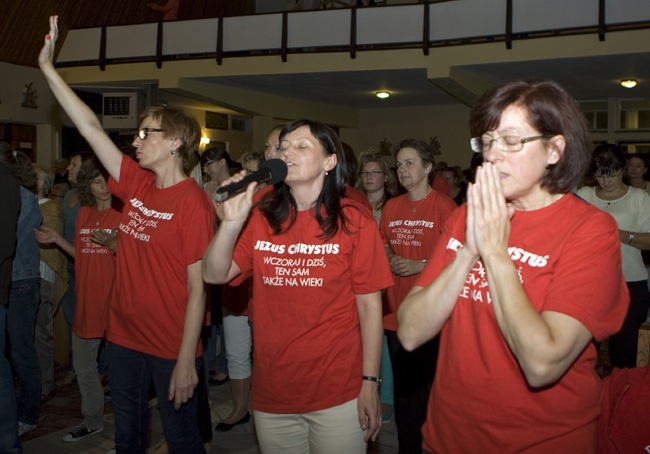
(375, 180)
(155, 318)
(514, 289)
(316, 301)
(630, 207)
(410, 227)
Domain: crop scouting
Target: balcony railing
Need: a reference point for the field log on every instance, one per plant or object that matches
(352, 30)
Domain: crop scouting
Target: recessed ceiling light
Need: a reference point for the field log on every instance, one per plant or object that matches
(382, 94)
(628, 83)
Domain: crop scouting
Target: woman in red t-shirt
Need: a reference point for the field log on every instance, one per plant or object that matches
(317, 304)
(155, 318)
(512, 287)
(93, 249)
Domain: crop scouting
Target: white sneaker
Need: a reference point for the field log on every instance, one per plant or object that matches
(23, 428)
(80, 433)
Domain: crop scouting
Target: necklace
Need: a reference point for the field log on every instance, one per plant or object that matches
(419, 202)
(102, 217)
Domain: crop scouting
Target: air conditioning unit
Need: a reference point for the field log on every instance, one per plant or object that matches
(121, 110)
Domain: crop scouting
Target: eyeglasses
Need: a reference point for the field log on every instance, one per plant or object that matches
(509, 143)
(144, 132)
(601, 174)
(371, 173)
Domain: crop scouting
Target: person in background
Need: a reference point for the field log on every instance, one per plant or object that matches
(630, 207)
(457, 190)
(60, 170)
(10, 208)
(512, 287)
(636, 171)
(70, 206)
(318, 341)
(410, 226)
(93, 249)
(155, 317)
(375, 181)
(24, 294)
(238, 336)
(58, 191)
(54, 283)
(216, 164)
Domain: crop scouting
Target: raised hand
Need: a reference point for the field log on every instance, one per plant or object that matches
(47, 52)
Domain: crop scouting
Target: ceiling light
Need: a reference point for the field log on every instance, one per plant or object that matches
(382, 94)
(628, 83)
(205, 140)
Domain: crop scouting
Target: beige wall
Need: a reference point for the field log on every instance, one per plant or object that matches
(448, 123)
(14, 78)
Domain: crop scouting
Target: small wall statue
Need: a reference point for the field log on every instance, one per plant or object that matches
(385, 147)
(434, 145)
(29, 96)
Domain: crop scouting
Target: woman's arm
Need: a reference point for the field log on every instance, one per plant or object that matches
(545, 344)
(184, 377)
(50, 236)
(372, 331)
(218, 265)
(80, 114)
(426, 309)
(638, 240)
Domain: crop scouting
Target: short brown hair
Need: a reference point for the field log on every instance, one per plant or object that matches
(552, 111)
(177, 124)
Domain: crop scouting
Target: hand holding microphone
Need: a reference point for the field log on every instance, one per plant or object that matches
(271, 172)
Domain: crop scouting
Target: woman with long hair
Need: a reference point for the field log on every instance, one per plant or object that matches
(375, 180)
(316, 303)
(93, 248)
(155, 318)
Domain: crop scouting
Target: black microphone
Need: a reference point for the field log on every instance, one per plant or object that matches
(272, 171)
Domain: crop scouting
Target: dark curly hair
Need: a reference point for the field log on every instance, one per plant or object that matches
(281, 205)
(90, 169)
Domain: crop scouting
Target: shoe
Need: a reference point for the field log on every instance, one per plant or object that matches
(225, 427)
(69, 378)
(23, 428)
(80, 433)
(218, 381)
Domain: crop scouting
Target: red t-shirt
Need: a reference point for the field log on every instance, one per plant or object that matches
(308, 351)
(94, 271)
(161, 233)
(441, 185)
(412, 229)
(568, 258)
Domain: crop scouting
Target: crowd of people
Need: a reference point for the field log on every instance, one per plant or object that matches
(464, 302)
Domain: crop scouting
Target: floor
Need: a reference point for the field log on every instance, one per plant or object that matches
(61, 413)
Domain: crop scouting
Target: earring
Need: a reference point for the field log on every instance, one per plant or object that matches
(173, 152)
(326, 173)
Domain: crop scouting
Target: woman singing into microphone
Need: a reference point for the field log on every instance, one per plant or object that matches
(317, 315)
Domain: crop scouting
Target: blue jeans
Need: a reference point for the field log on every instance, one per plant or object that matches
(130, 372)
(24, 297)
(9, 442)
